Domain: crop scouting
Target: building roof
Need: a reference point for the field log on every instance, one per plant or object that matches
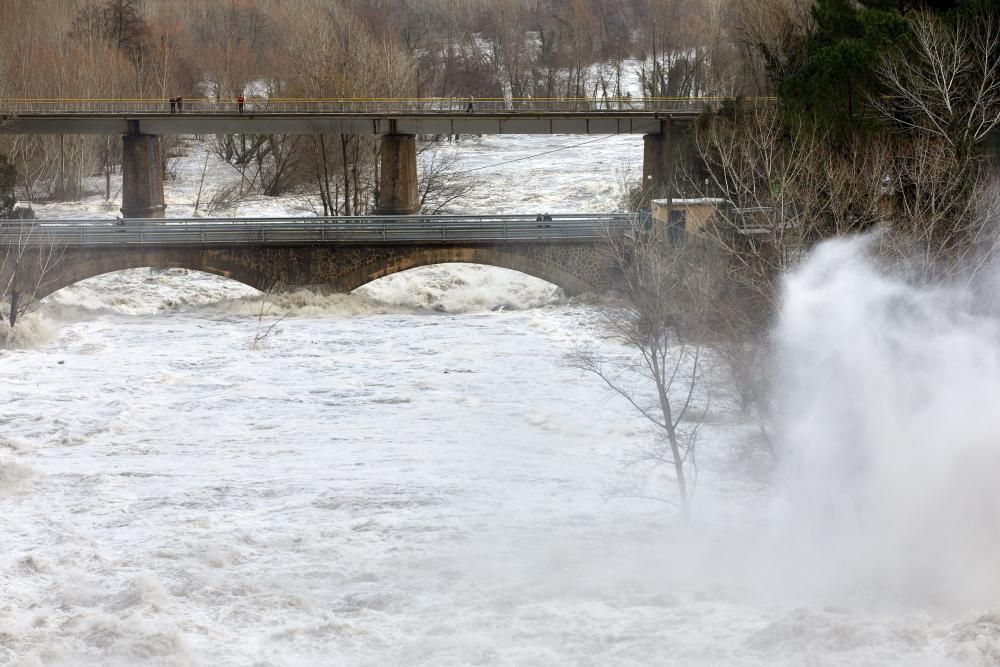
(699, 200)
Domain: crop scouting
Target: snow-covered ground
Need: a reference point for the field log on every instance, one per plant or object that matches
(404, 475)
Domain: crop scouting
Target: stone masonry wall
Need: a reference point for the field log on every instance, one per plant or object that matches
(575, 266)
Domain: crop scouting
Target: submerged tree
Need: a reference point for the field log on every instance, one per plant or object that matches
(27, 254)
(28, 257)
(660, 317)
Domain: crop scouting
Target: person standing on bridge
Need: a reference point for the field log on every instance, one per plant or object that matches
(471, 107)
(240, 101)
(180, 104)
(173, 105)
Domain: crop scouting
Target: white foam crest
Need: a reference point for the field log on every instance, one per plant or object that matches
(141, 292)
(891, 432)
(452, 288)
(14, 476)
(457, 288)
(304, 303)
(32, 330)
(461, 288)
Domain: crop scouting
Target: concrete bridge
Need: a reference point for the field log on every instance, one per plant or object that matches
(396, 122)
(341, 254)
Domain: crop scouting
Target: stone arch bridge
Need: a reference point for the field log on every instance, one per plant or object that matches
(338, 254)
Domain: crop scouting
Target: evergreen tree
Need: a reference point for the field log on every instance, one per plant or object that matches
(837, 78)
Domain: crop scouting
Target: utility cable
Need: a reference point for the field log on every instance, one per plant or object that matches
(529, 157)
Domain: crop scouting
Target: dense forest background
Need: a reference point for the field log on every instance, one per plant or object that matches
(343, 48)
(364, 48)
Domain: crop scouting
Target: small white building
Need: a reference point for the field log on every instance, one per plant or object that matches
(686, 216)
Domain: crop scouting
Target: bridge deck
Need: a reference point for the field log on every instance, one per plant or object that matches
(421, 116)
(632, 122)
(312, 231)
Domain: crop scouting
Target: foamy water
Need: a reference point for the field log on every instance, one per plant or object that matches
(409, 475)
(382, 482)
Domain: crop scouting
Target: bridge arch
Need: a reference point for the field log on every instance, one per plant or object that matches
(485, 255)
(71, 271)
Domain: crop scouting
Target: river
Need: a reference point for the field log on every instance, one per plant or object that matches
(405, 475)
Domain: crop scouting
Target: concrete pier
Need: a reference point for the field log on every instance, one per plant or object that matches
(142, 177)
(398, 178)
(658, 161)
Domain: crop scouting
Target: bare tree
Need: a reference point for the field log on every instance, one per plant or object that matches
(266, 306)
(266, 163)
(944, 82)
(776, 194)
(439, 182)
(772, 36)
(660, 318)
(782, 191)
(28, 256)
(342, 167)
(945, 91)
(943, 223)
(120, 22)
(754, 172)
(8, 177)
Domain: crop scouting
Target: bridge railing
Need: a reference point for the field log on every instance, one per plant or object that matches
(312, 231)
(432, 105)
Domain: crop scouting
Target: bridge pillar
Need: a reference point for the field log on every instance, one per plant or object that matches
(658, 161)
(142, 177)
(397, 193)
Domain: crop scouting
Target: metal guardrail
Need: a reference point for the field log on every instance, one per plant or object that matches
(311, 231)
(433, 105)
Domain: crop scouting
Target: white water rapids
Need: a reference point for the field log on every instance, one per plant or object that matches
(405, 476)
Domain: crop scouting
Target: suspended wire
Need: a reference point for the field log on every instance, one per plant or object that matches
(527, 157)
(548, 152)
